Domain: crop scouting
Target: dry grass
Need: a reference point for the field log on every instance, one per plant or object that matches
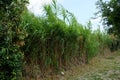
(100, 68)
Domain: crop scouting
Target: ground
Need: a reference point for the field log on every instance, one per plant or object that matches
(100, 68)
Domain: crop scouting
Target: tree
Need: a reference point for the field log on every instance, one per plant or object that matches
(10, 34)
(110, 11)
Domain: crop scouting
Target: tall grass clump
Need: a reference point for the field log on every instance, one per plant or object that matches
(55, 42)
(104, 40)
(91, 46)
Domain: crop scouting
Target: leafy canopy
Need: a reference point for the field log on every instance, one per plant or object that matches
(111, 15)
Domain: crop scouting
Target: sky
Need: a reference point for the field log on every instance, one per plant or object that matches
(83, 10)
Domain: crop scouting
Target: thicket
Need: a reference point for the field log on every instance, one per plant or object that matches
(11, 57)
(56, 39)
(110, 11)
(51, 41)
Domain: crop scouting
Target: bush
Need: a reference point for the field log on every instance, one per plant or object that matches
(11, 38)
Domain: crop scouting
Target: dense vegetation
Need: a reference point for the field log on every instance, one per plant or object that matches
(52, 41)
(10, 35)
(110, 11)
(56, 39)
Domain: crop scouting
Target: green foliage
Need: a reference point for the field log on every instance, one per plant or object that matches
(10, 63)
(91, 45)
(54, 42)
(10, 37)
(110, 11)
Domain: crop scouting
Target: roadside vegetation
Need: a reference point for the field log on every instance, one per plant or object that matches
(35, 46)
(56, 40)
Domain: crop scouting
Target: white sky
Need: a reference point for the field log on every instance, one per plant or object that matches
(82, 9)
(36, 5)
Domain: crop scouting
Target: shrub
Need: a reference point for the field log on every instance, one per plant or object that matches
(11, 37)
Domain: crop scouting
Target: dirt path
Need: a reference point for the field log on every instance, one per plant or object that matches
(100, 68)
